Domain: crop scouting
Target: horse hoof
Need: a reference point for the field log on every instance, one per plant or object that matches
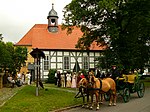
(83, 106)
(87, 106)
(114, 104)
(91, 108)
(101, 102)
(109, 105)
(97, 108)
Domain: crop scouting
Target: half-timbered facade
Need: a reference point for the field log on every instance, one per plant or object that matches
(58, 47)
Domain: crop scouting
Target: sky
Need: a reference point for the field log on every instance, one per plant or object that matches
(17, 17)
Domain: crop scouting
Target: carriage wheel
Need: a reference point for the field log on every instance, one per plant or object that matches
(140, 89)
(126, 95)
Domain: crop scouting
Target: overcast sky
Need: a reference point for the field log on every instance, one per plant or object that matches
(17, 17)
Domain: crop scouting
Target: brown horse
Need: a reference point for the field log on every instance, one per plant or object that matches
(100, 86)
(82, 85)
(86, 89)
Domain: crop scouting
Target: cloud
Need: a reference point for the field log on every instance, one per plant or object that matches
(19, 16)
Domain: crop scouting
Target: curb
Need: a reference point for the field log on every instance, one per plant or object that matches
(66, 108)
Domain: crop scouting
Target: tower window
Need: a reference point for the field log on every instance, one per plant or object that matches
(53, 20)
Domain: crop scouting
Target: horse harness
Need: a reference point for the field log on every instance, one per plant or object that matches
(91, 83)
(100, 89)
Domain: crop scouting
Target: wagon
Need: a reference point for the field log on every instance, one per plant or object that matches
(125, 86)
(128, 84)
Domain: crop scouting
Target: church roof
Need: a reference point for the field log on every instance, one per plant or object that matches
(39, 37)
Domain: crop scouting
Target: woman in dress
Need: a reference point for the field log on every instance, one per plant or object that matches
(74, 83)
(68, 75)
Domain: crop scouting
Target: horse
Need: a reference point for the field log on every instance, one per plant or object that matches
(82, 85)
(100, 86)
(86, 90)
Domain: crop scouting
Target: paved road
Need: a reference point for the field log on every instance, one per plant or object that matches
(134, 105)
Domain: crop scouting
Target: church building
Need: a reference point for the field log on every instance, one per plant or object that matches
(58, 47)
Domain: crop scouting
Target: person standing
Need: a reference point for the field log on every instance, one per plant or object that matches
(23, 77)
(74, 81)
(56, 78)
(28, 75)
(68, 75)
(59, 78)
(62, 80)
(97, 73)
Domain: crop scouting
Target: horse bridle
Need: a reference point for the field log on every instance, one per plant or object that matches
(90, 83)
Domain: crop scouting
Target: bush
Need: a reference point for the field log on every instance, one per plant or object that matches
(51, 76)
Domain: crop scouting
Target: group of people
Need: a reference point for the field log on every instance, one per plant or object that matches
(67, 79)
(24, 78)
(20, 79)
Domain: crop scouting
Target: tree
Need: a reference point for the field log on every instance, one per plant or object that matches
(122, 25)
(2, 56)
(19, 56)
(7, 59)
(12, 58)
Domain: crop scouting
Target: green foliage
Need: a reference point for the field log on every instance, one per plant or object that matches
(51, 76)
(12, 58)
(20, 56)
(122, 25)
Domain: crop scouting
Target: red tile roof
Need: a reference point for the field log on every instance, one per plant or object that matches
(39, 37)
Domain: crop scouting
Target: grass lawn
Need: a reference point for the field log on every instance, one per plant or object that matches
(54, 98)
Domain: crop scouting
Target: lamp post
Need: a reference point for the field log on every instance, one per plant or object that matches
(37, 54)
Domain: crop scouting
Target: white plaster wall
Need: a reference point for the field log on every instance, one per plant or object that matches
(59, 53)
(53, 65)
(97, 54)
(59, 59)
(59, 65)
(80, 59)
(72, 59)
(91, 65)
(91, 54)
(53, 59)
(66, 53)
(46, 52)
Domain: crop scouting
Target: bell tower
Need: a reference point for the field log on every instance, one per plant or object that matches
(52, 20)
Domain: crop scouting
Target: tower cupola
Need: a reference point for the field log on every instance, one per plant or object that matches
(52, 20)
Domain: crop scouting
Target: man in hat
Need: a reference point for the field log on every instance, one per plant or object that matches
(115, 72)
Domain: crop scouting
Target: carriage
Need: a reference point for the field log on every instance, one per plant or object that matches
(128, 84)
(125, 86)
